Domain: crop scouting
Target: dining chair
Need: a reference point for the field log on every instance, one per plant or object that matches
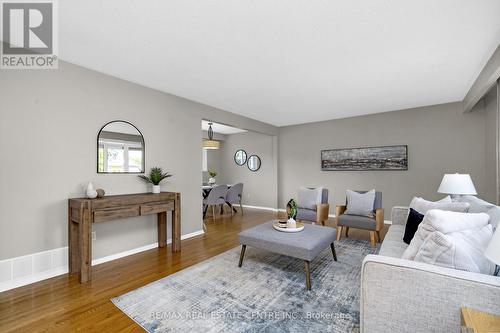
(216, 197)
(234, 195)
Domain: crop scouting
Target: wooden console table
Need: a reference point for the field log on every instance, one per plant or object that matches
(82, 212)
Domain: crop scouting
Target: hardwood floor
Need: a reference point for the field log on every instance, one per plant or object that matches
(61, 304)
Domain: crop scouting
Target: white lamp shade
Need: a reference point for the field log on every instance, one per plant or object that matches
(493, 250)
(457, 184)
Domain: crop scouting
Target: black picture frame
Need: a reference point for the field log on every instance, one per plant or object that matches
(392, 158)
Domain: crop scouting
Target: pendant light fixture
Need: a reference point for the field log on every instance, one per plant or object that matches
(210, 143)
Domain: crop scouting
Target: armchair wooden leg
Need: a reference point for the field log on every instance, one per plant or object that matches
(372, 238)
(347, 231)
(379, 240)
(339, 232)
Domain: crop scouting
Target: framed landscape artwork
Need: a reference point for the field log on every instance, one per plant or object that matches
(365, 159)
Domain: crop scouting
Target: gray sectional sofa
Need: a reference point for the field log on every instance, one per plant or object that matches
(399, 295)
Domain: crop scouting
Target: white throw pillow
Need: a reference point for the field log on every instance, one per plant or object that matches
(309, 197)
(462, 250)
(360, 203)
(444, 222)
(423, 206)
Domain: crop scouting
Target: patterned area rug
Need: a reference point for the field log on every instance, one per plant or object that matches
(267, 294)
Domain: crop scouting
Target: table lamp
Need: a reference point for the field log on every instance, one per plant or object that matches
(457, 184)
(493, 250)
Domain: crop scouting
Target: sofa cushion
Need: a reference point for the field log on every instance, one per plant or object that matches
(476, 205)
(494, 214)
(444, 222)
(393, 246)
(480, 206)
(423, 206)
(360, 203)
(356, 221)
(462, 250)
(306, 214)
(308, 198)
(412, 223)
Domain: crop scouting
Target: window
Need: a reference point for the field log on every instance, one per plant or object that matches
(204, 163)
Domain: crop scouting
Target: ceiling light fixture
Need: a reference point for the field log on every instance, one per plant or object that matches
(210, 143)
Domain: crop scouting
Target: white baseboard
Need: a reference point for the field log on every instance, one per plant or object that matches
(261, 208)
(28, 269)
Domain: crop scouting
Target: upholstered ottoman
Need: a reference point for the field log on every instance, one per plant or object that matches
(305, 245)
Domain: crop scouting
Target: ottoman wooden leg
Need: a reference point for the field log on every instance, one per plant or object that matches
(308, 274)
(333, 252)
(242, 254)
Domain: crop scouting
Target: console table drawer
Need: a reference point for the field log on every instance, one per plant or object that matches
(113, 214)
(157, 208)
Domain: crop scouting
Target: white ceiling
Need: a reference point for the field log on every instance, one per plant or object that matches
(220, 128)
(287, 61)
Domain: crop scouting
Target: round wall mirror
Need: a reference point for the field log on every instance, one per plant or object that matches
(120, 148)
(240, 157)
(254, 163)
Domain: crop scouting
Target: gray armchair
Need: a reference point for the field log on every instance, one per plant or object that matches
(373, 224)
(317, 215)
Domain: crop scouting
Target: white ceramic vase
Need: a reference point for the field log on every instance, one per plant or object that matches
(212, 180)
(291, 223)
(91, 192)
(156, 189)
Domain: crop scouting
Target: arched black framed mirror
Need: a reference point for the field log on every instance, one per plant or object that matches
(240, 157)
(254, 163)
(120, 148)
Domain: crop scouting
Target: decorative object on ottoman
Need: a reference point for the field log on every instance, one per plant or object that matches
(100, 192)
(286, 227)
(212, 174)
(291, 209)
(156, 175)
(90, 192)
(373, 224)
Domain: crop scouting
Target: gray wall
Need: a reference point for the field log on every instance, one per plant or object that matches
(490, 107)
(260, 188)
(441, 139)
(48, 126)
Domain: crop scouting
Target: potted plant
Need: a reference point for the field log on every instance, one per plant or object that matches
(156, 175)
(291, 210)
(212, 175)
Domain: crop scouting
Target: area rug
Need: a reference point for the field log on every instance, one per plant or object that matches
(267, 294)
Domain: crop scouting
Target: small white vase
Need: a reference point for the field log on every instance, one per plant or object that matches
(212, 181)
(91, 192)
(156, 189)
(291, 223)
